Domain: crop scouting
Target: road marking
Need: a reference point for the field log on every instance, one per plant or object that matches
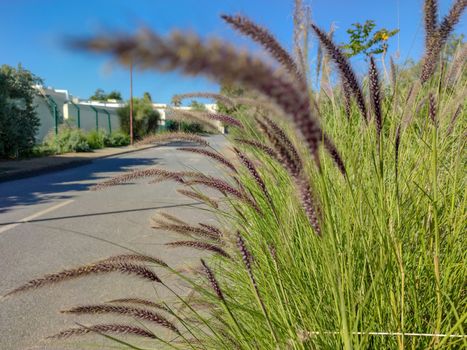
(33, 216)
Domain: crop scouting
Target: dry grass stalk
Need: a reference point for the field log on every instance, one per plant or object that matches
(138, 313)
(213, 281)
(217, 60)
(172, 218)
(200, 246)
(198, 196)
(139, 301)
(266, 40)
(375, 94)
(92, 269)
(174, 136)
(345, 70)
(213, 155)
(119, 329)
(227, 101)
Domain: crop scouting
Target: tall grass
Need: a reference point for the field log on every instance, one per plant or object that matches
(338, 230)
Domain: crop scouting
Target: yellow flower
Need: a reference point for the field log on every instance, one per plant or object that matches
(384, 36)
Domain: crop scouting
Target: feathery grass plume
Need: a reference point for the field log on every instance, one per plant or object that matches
(213, 155)
(436, 41)
(119, 329)
(226, 189)
(254, 173)
(174, 136)
(227, 101)
(172, 218)
(139, 301)
(347, 99)
(454, 117)
(218, 60)
(397, 143)
(198, 196)
(135, 258)
(258, 145)
(186, 230)
(345, 70)
(375, 94)
(92, 269)
(213, 281)
(142, 173)
(287, 154)
(138, 313)
(266, 40)
(433, 109)
(226, 119)
(212, 228)
(200, 246)
(308, 203)
(430, 10)
(334, 153)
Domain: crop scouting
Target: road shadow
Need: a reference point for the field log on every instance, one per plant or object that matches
(61, 184)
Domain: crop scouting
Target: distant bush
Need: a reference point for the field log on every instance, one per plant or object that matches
(67, 140)
(194, 128)
(97, 139)
(117, 139)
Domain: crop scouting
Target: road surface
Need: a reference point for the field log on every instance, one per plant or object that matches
(52, 222)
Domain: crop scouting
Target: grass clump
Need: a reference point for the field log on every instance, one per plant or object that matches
(343, 229)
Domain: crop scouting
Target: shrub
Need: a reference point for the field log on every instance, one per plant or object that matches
(18, 119)
(189, 127)
(145, 118)
(117, 139)
(68, 140)
(97, 139)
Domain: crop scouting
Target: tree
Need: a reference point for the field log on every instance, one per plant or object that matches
(18, 119)
(195, 105)
(363, 40)
(100, 95)
(145, 118)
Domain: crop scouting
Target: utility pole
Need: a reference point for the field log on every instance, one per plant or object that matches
(131, 102)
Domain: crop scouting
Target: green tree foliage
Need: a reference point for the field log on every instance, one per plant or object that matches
(364, 40)
(18, 119)
(145, 118)
(100, 95)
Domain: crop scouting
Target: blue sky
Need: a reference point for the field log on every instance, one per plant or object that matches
(32, 32)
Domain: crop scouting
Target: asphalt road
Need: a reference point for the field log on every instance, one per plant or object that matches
(52, 222)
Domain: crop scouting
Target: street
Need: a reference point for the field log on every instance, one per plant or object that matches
(52, 222)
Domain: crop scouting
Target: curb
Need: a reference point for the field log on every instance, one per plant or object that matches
(72, 163)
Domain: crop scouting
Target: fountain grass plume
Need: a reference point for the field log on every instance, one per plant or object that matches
(139, 301)
(259, 146)
(135, 258)
(119, 329)
(375, 94)
(345, 70)
(200, 246)
(99, 268)
(138, 313)
(226, 119)
(186, 230)
(218, 60)
(173, 136)
(266, 40)
(199, 196)
(248, 164)
(213, 155)
(213, 281)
